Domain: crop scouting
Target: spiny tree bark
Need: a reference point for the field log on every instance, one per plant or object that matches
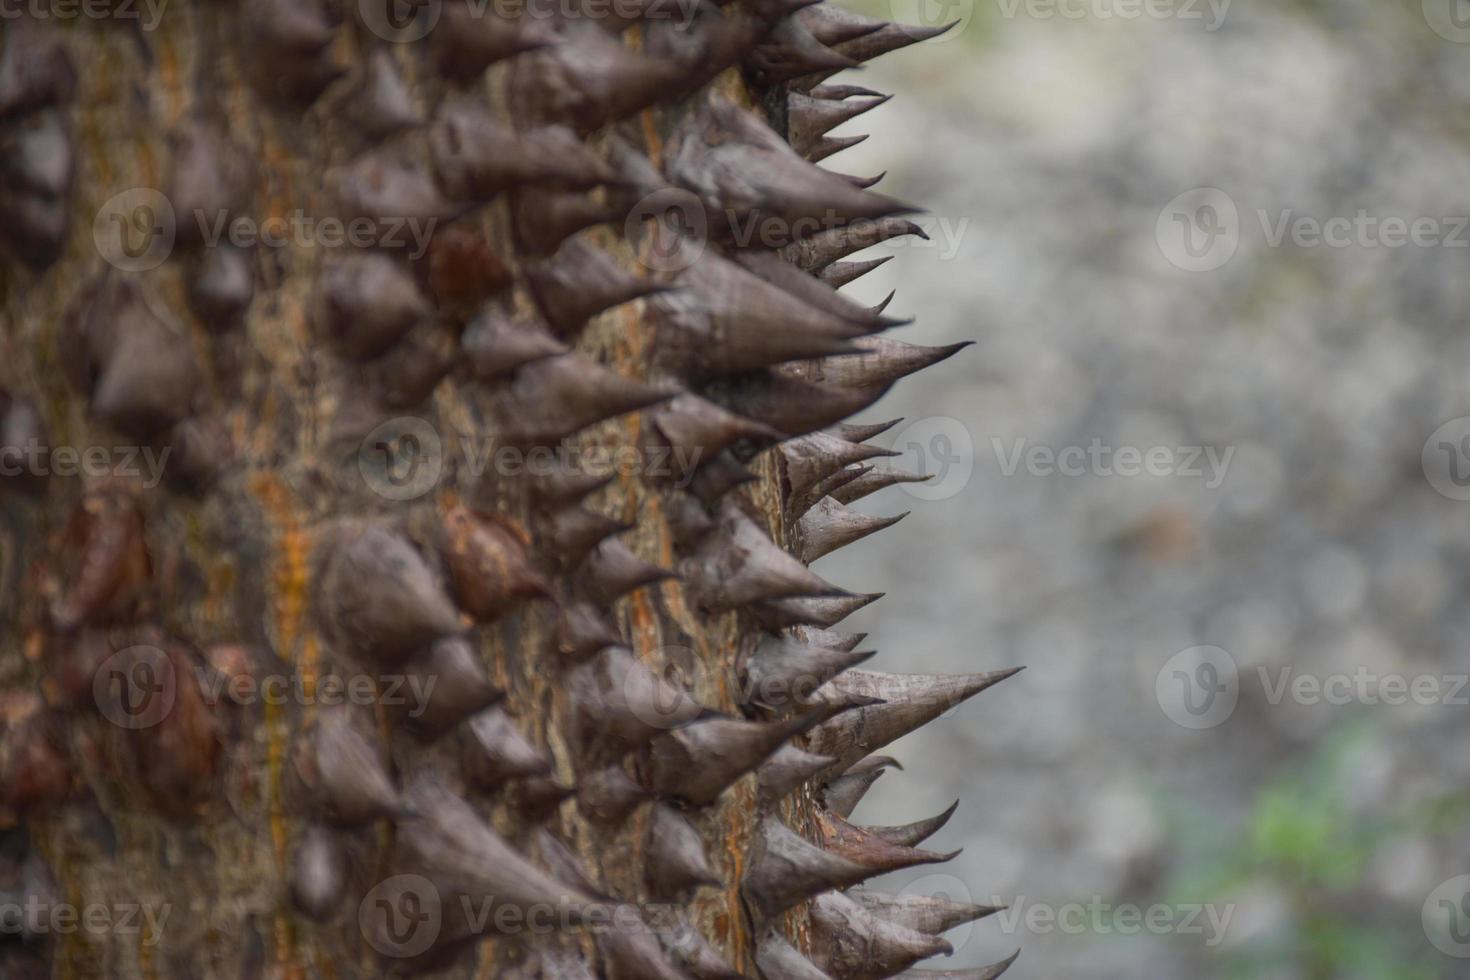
(316, 317)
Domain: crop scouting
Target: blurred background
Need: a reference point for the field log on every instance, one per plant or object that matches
(1239, 592)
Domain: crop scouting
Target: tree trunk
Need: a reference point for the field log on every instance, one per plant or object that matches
(282, 478)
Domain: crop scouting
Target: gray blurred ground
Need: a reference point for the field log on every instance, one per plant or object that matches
(1046, 149)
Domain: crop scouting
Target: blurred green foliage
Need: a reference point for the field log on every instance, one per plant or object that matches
(1305, 840)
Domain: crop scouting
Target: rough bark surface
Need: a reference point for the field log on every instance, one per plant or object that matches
(203, 815)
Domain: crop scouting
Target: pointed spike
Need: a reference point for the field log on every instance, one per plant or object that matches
(740, 168)
(35, 71)
(689, 521)
(452, 845)
(222, 286)
(857, 845)
(388, 189)
(914, 834)
(619, 697)
(825, 613)
(383, 105)
(786, 869)
(851, 942)
(580, 281)
(833, 25)
(546, 217)
(780, 775)
(148, 376)
(583, 631)
(346, 774)
(991, 972)
(784, 673)
(469, 39)
(863, 182)
(862, 432)
(873, 481)
(675, 853)
(574, 531)
(827, 146)
(560, 482)
(739, 564)
(538, 798)
(695, 430)
(477, 156)
(890, 37)
(632, 951)
(779, 960)
(933, 915)
(842, 795)
(840, 92)
(839, 274)
(209, 177)
(697, 762)
(590, 78)
(882, 362)
(489, 561)
(812, 458)
(799, 504)
(688, 947)
(831, 639)
(814, 254)
(555, 397)
(318, 873)
(723, 320)
(495, 751)
(790, 51)
(789, 404)
(776, 270)
(291, 46)
(829, 526)
(446, 687)
(608, 796)
(910, 701)
(611, 571)
(809, 119)
(563, 862)
(377, 596)
(718, 476)
(366, 302)
(497, 344)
